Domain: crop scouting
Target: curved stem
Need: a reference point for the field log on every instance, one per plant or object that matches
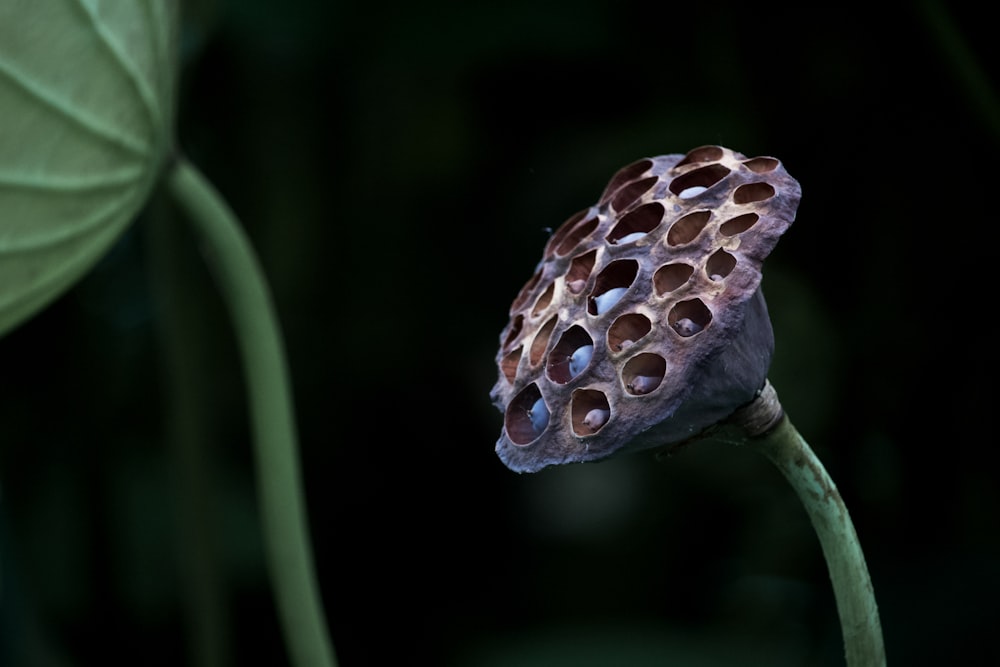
(247, 297)
(852, 586)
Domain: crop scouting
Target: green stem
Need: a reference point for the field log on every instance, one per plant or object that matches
(247, 297)
(852, 586)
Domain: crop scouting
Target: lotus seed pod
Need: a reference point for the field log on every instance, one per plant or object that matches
(644, 322)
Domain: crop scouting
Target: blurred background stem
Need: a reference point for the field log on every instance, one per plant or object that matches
(188, 433)
(247, 297)
(955, 49)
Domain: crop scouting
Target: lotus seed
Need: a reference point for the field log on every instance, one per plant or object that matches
(576, 286)
(628, 238)
(580, 358)
(604, 302)
(539, 415)
(686, 326)
(596, 418)
(643, 384)
(625, 344)
(693, 191)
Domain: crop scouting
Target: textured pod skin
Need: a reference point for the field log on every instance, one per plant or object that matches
(663, 279)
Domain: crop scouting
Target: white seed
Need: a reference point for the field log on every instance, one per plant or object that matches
(693, 191)
(596, 418)
(539, 415)
(643, 384)
(604, 302)
(576, 286)
(625, 344)
(580, 358)
(687, 327)
(628, 238)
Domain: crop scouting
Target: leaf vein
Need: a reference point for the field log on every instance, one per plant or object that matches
(72, 113)
(127, 66)
(22, 245)
(70, 184)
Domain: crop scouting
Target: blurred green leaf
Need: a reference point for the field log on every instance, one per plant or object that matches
(86, 116)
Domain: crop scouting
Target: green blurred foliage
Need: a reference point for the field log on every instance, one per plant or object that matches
(396, 166)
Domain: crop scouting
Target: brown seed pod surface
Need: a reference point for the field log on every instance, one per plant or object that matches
(644, 321)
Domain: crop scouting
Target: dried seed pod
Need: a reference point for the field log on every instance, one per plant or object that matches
(644, 322)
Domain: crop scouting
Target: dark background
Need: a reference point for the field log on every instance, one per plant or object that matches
(395, 166)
